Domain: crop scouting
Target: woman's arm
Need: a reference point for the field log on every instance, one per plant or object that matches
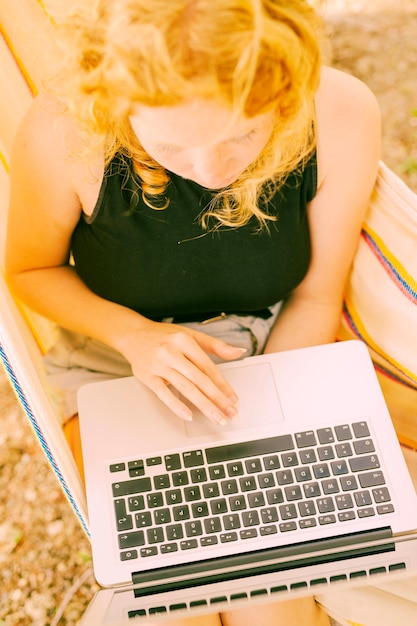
(348, 124)
(47, 184)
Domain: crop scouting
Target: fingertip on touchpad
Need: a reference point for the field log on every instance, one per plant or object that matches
(258, 401)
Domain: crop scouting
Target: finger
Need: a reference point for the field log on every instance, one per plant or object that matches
(198, 389)
(212, 345)
(162, 390)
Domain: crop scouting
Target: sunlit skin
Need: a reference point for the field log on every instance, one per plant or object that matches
(213, 153)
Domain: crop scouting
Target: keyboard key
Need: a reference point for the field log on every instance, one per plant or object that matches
(248, 483)
(285, 477)
(235, 469)
(271, 529)
(192, 493)
(172, 462)
(218, 506)
(154, 500)
(346, 516)
(174, 531)
(321, 470)
(287, 527)
(311, 490)
(248, 533)
(327, 519)
(136, 468)
(168, 548)
(155, 535)
(269, 515)
(362, 498)
(193, 458)
(136, 503)
(209, 541)
(381, 495)
(288, 511)
(307, 509)
(179, 479)
(343, 433)
(325, 505)
(305, 439)
(326, 453)
(162, 516)
(274, 496)
(250, 518)
(344, 501)
(266, 481)
(217, 472)
(173, 496)
(307, 456)
(247, 449)
(293, 493)
(372, 479)
(237, 503)
(364, 446)
(229, 487)
(228, 537)
(211, 490)
(212, 525)
(343, 450)
(290, 459)
(198, 475)
(383, 509)
(367, 512)
(302, 474)
(253, 466)
(161, 482)
(363, 463)
(271, 462)
(129, 555)
(193, 529)
(143, 519)
(181, 513)
(230, 522)
(256, 499)
(325, 435)
(361, 429)
(348, 483)
(153, 461)
(117, 467)
(339, 467)
(188, 544)
(330, 486)
(130, 487)
(199, 509)
(307, 523)
(148, 551)
(131, 540)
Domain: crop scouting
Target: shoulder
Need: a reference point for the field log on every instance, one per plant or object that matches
(348, 121)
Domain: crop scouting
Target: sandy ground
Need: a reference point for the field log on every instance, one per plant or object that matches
(43, 551)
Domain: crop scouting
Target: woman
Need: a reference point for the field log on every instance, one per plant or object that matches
(195, 194)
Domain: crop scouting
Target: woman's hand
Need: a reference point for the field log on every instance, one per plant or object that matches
(165, 356)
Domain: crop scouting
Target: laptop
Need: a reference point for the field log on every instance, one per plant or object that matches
(308, 489)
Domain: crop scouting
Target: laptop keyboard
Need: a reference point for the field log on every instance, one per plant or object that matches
(243, 491)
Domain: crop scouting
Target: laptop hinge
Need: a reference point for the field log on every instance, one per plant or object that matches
(266, 561)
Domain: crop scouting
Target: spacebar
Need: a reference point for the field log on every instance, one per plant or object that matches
(246, 449)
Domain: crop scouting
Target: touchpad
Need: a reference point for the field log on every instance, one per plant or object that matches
(258, 401)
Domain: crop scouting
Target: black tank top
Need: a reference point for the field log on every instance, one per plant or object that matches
(161, 263)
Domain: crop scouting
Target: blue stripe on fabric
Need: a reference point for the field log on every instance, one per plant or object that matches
(390, 267)
(23, 400)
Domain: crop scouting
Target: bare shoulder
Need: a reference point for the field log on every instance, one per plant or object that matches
(342, 95)
(348, 122)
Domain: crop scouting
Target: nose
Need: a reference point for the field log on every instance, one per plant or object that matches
(212, 167)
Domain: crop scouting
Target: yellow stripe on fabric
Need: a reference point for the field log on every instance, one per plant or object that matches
(22, 69)
(370, 342)
(4, 162)
(45, 10)
(406, 277)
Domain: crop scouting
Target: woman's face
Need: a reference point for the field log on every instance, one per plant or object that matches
(202, 140)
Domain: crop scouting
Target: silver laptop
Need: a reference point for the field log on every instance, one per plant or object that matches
(307, 489)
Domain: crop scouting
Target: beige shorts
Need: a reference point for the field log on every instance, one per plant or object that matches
(76, 360)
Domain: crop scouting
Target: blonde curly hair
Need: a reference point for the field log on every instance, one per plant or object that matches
(254, 55)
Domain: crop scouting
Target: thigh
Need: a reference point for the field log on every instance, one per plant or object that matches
(298, 612)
